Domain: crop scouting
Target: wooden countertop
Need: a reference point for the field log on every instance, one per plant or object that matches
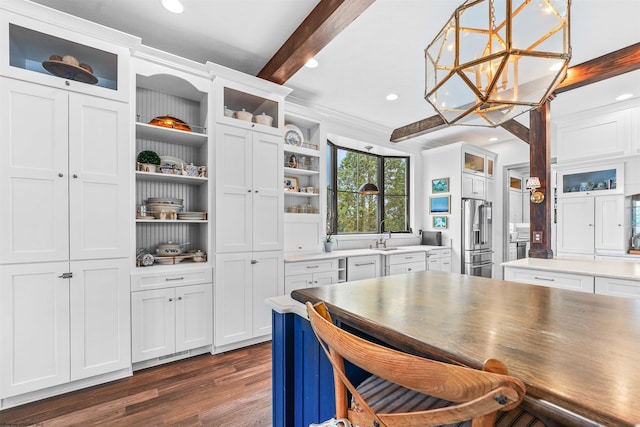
(591, 267)
(575, 351)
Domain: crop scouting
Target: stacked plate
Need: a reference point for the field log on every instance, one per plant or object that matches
(193, 216)
(157, 205)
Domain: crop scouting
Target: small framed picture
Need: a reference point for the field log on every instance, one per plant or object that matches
(290, 183)
(440, 185)
(439, 204)
(439, 222)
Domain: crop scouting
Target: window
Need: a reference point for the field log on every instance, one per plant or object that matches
(349, 212)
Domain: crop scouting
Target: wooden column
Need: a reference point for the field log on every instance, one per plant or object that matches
(539, 158)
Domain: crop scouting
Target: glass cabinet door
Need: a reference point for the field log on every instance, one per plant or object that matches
(474, 163)
(596, 180)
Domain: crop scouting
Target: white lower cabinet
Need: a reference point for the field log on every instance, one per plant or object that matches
(170, 320)
(439, 260)
(56, 330)
(617, 287)
(308, 274)
(405, 263)
(243, 282)
(363, 267)
(551, 279)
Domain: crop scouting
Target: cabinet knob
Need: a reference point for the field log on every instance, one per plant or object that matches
(315, 281)
(179, 298)
(253, 261)
(67, 83)
(170, 299)
(60, 174)
(249, 191)
(75, 175)
(256, 191)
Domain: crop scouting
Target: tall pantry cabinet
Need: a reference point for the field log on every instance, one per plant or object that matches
(64, 282)
(249, 261)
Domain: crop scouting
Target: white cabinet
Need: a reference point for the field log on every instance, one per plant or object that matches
(249, 192)
(308, 274)
(243, 282)
(170, 320)
(473, 186)
(405, 263)
(56, 329)
(513, 252)
(66, 179)
(439, 260)
(617, 287)
(302, 233)
(363, 267)
(551, 279)
(589, 225)
(516, 206)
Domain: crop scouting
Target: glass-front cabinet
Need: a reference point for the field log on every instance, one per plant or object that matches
(47, 54)
(594, 180)
(474, 163)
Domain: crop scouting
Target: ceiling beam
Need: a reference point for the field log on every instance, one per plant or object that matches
(322, 25)
(601, 68)
(517, 129)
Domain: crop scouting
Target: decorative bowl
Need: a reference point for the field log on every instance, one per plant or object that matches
(170, 122)
(263, 119)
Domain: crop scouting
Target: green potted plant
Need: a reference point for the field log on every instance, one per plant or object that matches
(328, 243)
(148, 160)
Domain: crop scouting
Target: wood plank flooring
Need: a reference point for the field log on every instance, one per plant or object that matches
(228, 389)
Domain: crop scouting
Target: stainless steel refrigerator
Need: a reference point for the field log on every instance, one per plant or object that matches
(477, 251)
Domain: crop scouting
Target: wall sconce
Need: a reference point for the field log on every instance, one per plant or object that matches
(533, 183)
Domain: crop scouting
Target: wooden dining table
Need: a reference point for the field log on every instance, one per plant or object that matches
(577, 353)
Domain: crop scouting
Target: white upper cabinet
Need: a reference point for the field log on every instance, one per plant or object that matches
(68, 171)
(40, 52)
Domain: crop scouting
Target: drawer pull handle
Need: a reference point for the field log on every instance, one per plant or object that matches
(548, 279)
(313, 266)
(366, 263)
(170, 279)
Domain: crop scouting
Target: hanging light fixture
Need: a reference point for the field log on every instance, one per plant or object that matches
(496, 59)
(368, 187)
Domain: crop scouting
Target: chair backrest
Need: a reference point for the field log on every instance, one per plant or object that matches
(477, 395)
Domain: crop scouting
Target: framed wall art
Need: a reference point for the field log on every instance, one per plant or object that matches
(290, 183)
(440, 185)
(439, 204)
(439, 222)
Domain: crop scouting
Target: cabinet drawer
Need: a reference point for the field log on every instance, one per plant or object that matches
(410, 267)
(310, 266)
(574, 282)
(405, 258)
(439, 253)
(618, 287)
(165, 279)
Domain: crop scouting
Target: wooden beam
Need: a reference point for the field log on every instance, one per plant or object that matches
(604, 67)
(517, 129)
(322, 25)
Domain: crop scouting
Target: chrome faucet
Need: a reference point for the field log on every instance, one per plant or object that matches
(381, 241)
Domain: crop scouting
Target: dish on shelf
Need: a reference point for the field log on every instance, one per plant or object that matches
(292, 135)
(165, 200)
(146, 217)
(172, 161)
(192, 215)
(169, 260)
(170, 122)
(68, 67)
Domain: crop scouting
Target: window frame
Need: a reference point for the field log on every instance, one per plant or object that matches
(332, 191)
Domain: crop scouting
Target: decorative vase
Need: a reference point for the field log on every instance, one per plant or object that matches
(328, 246)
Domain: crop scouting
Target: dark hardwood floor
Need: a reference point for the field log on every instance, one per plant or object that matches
(228, 389)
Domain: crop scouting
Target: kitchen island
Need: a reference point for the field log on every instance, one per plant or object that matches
(576, 352)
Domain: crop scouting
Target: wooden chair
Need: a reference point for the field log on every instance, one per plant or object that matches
(407, 390)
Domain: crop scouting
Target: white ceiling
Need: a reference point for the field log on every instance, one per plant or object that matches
(379, 53)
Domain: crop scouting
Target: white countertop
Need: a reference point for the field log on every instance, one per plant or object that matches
(590, 267)
(359, 252)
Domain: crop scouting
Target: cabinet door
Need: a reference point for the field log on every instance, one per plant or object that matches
(268, 280)
(34, 222)
(34, 327)
(232, 298)
(515, 206)
(364, 267)
(303, 233)
(194, 316)
(575, 225)
(100, 317)
(298, 281)
(99, 177)
(268, 198)
(325, 278)
(234, 189)
(152, 324)
(609, 229)
(473, 186)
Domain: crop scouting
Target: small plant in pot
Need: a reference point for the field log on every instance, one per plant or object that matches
(148, 160)
(328, 243)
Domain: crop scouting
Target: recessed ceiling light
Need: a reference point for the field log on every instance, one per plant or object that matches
(493, 139)
(392, 97)
(173, 6)
(312, 63)
(624, 96)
